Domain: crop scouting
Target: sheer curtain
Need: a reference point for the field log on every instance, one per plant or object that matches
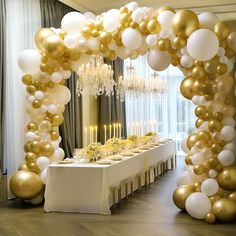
(173, 113)
(22, 20)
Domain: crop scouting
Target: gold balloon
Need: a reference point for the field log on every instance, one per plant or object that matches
(125, 19)
(57, 120)
(198, 169)
(35, 146)
(218, 116)
(232, 197)
(133, 24)
(103, 48)
(186, 87)
(47, 150)
(200, 111)
(213, 162)
(143, 27)
(222, 30)
(198, 72)
(23, 167)
(198, 87)
(227, 178)
(192, 139)
(188, 160)
(198, 123)
(53, 45)
(221, 68)
(105, 37)
(197, 186)
(54, 135)
(27, 79)
(216, 148)
(41, 35)
(164, 8)
(214, 125)
(181, 194)
(179, 42)
(31, 89)
(153, 26)
(185, 22)
(214, 198)
(33, 167)
(86, 31)
(25, 184)
(30, 157)
(210, 218)
(36, 104)
(32, 126)
(112, 55)
(224, 210)
(94, 33)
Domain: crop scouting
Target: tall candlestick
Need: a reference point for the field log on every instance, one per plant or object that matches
(96, 134)
(119, 130)
(105, 133)
(114, 130)
(92, 132)
(110, 131)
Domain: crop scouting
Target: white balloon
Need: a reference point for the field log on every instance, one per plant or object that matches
(60, 94)
(203, 44)
(208, 20)
(131, 38)
(137, 16)
(70, 41)
(209, 187)
(228, 121)
(186, 61)
(56, 77)
(39, 95)
(43, 175)
(59, 154)
(231, 147)
(112, 46)
(65, 74)
(93, 43)
(89, 15)
(52, 108)
(30, 98)
(184, 179)
(151, 40)
(165, 18)
(184, 146)
(73, 22)
(221, 52)
(29, 61)
(132, 6)
(158, 60)
(226, 157)
(111, 20)
(197, 159)
(195, 100)
(198, 205)
(228, 133)
(212, 173)
(30, 136)
(230, 65)
(38, 199)
(121, 53)
(42, 162)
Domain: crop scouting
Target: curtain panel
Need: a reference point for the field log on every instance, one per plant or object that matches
(52, 12)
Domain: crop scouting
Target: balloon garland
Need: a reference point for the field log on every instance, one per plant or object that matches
(200, 45)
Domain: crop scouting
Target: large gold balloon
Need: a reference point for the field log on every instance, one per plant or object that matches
(53, 45)
(186, 87)
(227, 178)
(32, 126)
(180, 195)
(47, 149)
(210, 218)
(185, 22)
(222, 30)
(214, 125)
(25, 184)
(224, 210)
(41, 35)
(35, 146)
(192, 139)
(153, 26)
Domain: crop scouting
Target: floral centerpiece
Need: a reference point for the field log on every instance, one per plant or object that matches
(92, 152)
(114, 145)
(150, 137)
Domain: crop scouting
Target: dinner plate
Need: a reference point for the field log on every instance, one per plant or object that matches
(104, 162)
(136, 151)
(65, 162)
(116, 158)
(127, 154)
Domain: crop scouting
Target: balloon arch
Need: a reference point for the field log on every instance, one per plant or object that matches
(201, 46)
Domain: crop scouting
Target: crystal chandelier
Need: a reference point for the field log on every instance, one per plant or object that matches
(132, 86)
(95, 78)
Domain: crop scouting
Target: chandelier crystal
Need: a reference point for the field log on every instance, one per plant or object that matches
(95, 78)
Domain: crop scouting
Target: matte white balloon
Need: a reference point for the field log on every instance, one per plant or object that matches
(52, 108)
(198, 205)
(29, 61)
(131, 38)
(203, 44)
(228, 121)
(226, 157)
(65, 74)
(231, 147)
(165, 18)
(70, 41)
(37, 200)
(111, 20)
(228, 133)
(151, 40)
(93, 43)
(136, 16)
(212, 173)
(186, 61)
(132, 6)
(43, 175)
(56, 77)
(60, 94)
(39, 94)
(90, 15)
(42, 162)
(197, 159)
(209, 187)
(30, 136)
(208, 20)
(158, 60)
(73, 22)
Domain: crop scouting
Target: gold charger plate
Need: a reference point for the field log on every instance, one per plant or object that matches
(65, 162)
(116, 158)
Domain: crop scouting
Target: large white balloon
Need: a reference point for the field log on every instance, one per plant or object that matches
(131, 38)
(208, 20)
(165, 18)
(158, 60)
(90, 15)
(42, 162)
(198, 205)
(228, 133)
(111, 20)
(29, 61)
(228, 121)
(132, 6)
(226, 157)
(73, 22)
(203, 45)
(209, 187)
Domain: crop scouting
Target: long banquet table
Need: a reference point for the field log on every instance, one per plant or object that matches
(87, 187)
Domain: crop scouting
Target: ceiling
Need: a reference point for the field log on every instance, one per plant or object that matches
(225, 9)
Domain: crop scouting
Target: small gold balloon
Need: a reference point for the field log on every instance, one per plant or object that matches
(200, 111)
(103, 48)
(224, 210)
(35, 146)
(30, 157)
(188, 160)
(204, 136)
(27, 79)
(185, 22)
(227, 178)
(54, 135)
(153, 26)
(218, 116)
(47, 150)
(41, 35)
(57, 120)
(23, 167)
(116, 35)
(25, 184)
(192, 139)
(94, 33)
(213, 162)
(179, 42)
(232, 197)
(33, 167)
(133, 24)
(214, 125)
(53, 45)
(198, 169)
(186, 87)
(31, 89)
(210, 218)
(222, 30)
(43, 67)
(36, 104)
(198, 72)
(216, 148)
(161, 44)
(214, 198)
(27, 146)
(198, 87)
(143, 27)
(198, 123)
(221, 68)
(125, 19)
(124, 10)
(105, 37)
(197, 186)
(86, 31)
(112, 55)
(181, 194)
(32, 126)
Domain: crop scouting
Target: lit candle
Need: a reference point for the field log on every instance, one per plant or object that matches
(110, 131)
(119, 130)
(114, 130)
(96, 134)
(105, 133)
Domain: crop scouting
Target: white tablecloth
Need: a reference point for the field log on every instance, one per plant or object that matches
(86, 188)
